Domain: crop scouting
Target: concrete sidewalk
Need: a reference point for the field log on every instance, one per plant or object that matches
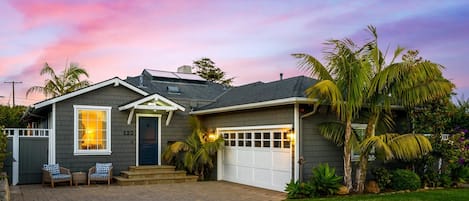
(197, 191)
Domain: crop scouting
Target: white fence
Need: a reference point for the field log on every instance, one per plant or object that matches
(16, 134)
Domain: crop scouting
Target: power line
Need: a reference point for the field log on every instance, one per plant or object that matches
(13, 87)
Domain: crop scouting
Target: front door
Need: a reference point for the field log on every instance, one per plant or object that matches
(148, 140)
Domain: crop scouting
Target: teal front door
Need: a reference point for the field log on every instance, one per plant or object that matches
(148, 140)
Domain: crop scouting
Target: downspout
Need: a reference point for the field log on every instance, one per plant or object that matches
(301, 160)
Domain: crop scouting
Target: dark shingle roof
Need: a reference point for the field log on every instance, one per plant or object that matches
(207, 91)
(260, 92)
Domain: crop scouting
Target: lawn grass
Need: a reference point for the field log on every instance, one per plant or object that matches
(434, 195)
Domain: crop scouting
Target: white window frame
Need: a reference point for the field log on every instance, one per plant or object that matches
(356, 156)
(78, 152)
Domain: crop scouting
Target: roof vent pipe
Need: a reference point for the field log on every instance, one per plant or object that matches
(281, 76)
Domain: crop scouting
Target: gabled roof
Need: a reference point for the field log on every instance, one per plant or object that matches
(113, 81)
(259, 94)
(161, 103)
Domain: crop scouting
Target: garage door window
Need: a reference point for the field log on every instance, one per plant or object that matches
(259, 139)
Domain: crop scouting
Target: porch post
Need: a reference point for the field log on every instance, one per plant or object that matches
(51, 157)
(16, 156)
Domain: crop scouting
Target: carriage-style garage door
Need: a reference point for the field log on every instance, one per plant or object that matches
(258, 157)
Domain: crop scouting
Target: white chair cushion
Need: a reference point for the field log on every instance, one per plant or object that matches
(103, 168)
(54, 169)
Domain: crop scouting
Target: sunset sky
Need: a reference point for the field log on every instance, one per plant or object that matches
(251, 40)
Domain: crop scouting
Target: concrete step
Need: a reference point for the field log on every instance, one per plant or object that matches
(151, 168)
(143, 181)
(152, 174)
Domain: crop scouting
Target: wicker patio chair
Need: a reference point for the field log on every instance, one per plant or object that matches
(100, 172)
(53, 173)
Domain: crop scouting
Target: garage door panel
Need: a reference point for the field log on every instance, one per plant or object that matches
(281, 160)
(281, 179)
(230, 156)
(267, 165)
(262, 159)
(245, 174)
(245, 157)
(263, 177)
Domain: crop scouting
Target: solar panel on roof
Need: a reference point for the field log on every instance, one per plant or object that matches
(173, 75)
(157, 73)
(189, 76)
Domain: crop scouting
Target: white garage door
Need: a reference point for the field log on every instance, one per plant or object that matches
(257, 157)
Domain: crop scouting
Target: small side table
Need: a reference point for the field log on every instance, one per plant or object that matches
(79, 178)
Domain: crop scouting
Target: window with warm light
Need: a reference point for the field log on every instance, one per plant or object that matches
(92, 133)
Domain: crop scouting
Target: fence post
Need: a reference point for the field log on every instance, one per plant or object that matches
(16, 156)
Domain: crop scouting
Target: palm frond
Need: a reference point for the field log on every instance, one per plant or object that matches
(311, 65)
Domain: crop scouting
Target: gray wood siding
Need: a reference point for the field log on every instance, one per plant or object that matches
(316, 149)
(255, 117)
(122, 146)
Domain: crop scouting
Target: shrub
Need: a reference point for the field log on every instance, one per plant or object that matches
(383, 177)
(324, 180)
(298, 190)
(404, 180)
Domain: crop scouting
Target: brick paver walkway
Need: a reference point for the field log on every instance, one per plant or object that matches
(198, 191)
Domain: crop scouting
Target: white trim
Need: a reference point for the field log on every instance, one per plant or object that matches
(170, 116)
(88, 89)
(295, 143)
(137, 140)
(52, 141)
(16, 157)
(108, 149)
(156, 97)
(277, 102)
(131, 115)
(266, 127)
(155, 107)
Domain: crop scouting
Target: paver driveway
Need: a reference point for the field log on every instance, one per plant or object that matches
(197, 191)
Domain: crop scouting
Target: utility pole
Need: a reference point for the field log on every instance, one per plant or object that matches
(13, 86)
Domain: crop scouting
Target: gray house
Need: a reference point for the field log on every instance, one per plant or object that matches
(269, 128)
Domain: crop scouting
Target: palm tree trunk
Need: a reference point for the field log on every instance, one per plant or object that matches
(360, 176)
(348, 155)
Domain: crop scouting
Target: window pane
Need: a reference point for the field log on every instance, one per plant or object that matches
(227, 143)
(240, 135)
(257, 135)
(257, 143)
(277, 135)
(286, 144)
(248, 136)
(232, 136)
(277, 144)
(240, 143)
(266, 144)
(92, 129)
(233, 143)
(225, 135)
(266, 136)
(248, 144)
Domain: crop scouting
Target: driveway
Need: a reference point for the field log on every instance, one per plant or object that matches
(197, 191)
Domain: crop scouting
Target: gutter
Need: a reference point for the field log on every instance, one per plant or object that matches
(278, 102)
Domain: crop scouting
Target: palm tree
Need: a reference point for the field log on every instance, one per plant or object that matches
(197, 152)
(57, 85)
(408, 83)
(342, 85)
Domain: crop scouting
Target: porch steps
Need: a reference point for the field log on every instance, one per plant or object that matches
(153, 174)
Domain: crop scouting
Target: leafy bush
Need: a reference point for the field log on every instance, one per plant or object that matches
(405, 180)
(445, 180)
(298, 190)
(324, 180)
(383, 177)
